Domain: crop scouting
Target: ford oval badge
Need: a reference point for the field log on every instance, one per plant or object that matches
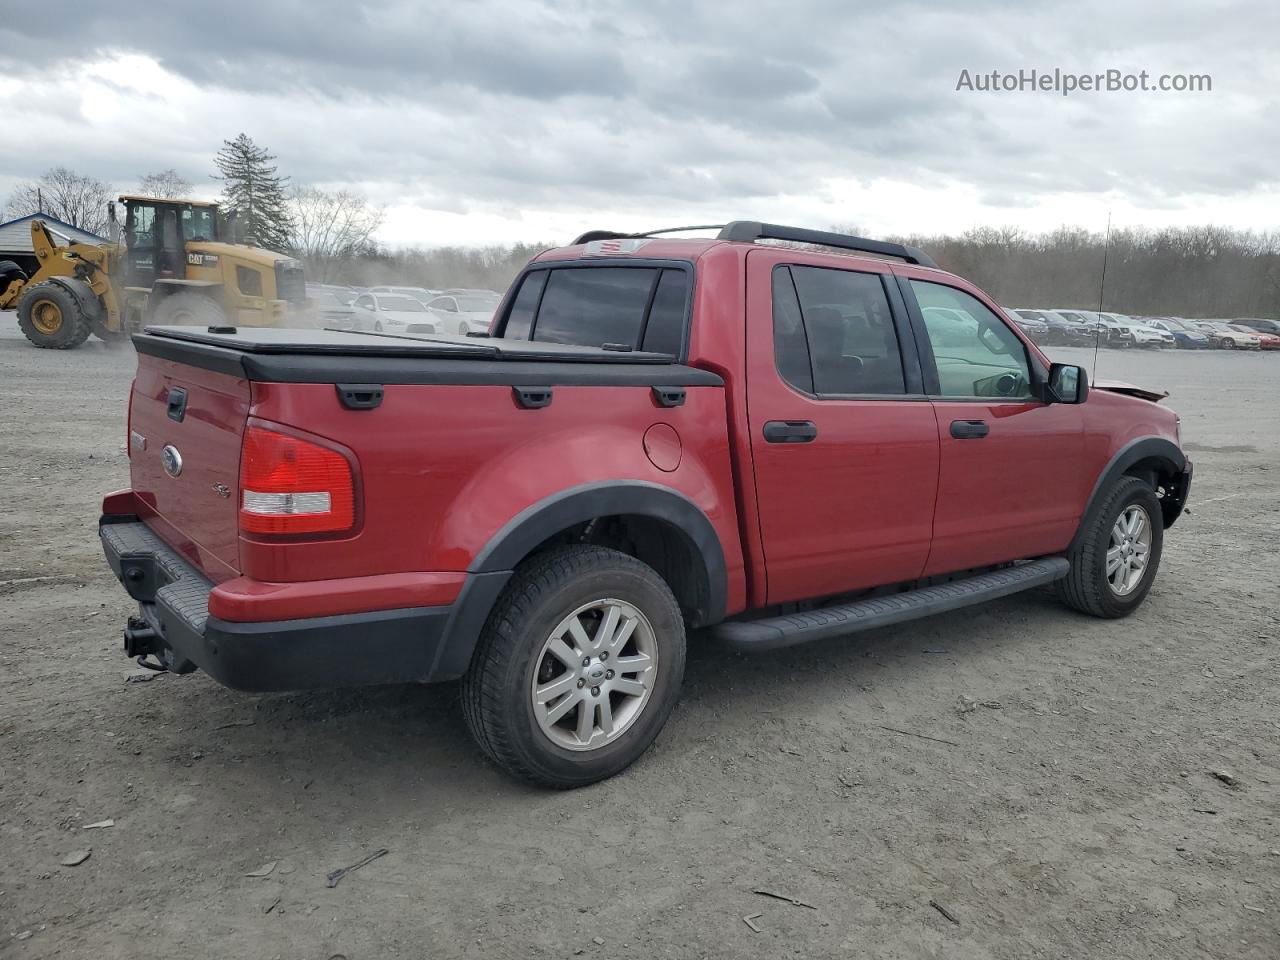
(171, 459)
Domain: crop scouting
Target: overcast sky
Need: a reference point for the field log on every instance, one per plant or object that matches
(480, 122)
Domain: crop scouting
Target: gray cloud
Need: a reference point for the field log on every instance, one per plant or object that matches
(522, 105)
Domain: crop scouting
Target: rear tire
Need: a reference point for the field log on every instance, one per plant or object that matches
(50, 317)
(1091, 586)
(525, 695)
(1227, 343)
(188, 309)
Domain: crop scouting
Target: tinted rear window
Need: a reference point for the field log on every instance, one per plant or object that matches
(642, 307)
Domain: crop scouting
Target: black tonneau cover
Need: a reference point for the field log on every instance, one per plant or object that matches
(275, 355)
(356, 343)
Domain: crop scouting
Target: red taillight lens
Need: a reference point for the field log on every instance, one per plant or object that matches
(289, 485)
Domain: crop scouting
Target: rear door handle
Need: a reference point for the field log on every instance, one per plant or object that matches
(969, 429)
(790, 431)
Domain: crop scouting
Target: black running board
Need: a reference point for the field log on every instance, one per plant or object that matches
(793, 628)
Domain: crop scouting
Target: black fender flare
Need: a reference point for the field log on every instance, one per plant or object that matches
(494, 564)
(89, 303)
(1139, 449)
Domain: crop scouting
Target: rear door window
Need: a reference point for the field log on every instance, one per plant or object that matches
(834, 332)
(641, 307)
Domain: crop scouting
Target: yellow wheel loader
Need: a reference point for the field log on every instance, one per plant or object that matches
(168, 265)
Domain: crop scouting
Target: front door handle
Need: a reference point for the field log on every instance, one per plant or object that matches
(790, 431)
(969, 429)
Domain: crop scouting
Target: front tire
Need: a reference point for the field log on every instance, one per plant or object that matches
(1114, 561)
(1227, 343)
(577, 669)
(50, 317)
(188, 309)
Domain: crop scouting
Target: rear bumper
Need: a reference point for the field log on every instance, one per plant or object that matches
(385, 646)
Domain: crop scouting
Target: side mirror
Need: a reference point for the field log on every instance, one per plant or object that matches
(1067, 384)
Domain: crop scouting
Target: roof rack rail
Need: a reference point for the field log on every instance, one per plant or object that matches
(591, 235)
(747, 231)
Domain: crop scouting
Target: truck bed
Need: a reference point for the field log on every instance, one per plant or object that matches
(458, 436)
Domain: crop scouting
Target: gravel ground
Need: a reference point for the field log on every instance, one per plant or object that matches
(1046, 779)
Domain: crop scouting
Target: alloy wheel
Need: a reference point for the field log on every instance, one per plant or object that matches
(1128, 550)
(594, 674)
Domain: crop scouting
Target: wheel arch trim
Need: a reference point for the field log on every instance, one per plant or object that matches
(1135, 451)
(494, 564)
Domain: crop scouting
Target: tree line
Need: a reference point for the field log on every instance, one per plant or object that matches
(1194, 271)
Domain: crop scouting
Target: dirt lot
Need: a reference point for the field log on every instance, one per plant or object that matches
(1044, 777)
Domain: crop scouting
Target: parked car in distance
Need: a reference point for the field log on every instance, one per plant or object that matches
(464, 313)
(1144, 335)
(1261, 324)
(421, 294)
(1225, 335)
(1034, 327)
(1061, 330)
(330, 305)
(1185, 336)
(1266, 341)
(1113, 332)
(662, 435)
(1091, 327)
(392, 313)
(472, 290)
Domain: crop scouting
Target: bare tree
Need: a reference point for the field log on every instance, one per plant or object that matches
(164, 184)
(69, 196)
(329, 228)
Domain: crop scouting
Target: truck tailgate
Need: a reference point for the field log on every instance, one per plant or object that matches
(185, 428)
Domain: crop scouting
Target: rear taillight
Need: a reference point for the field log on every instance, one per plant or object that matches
(289, 485)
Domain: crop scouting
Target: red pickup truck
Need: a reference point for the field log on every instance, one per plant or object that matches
(768, 443)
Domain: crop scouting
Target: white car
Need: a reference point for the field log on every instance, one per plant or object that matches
(391, 313)
(421, 294)
(1144, 335)
(464, 313)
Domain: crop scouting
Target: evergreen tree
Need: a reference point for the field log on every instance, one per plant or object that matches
(254, 193)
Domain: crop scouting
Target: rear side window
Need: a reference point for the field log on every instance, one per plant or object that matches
(664, 330)
(843, 334)
(642, 307)
(520, 319)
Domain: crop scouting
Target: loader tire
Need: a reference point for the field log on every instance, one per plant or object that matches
(50, 317)
(188, 309)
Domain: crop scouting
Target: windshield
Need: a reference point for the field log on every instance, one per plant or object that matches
(198, 224)
(477, 304)
(401, 305)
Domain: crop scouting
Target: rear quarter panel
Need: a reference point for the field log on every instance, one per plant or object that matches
(443, 468)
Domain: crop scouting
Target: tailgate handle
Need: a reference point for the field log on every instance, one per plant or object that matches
(177, 404)
(359, 396)
(532, 398)
(668, 396)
